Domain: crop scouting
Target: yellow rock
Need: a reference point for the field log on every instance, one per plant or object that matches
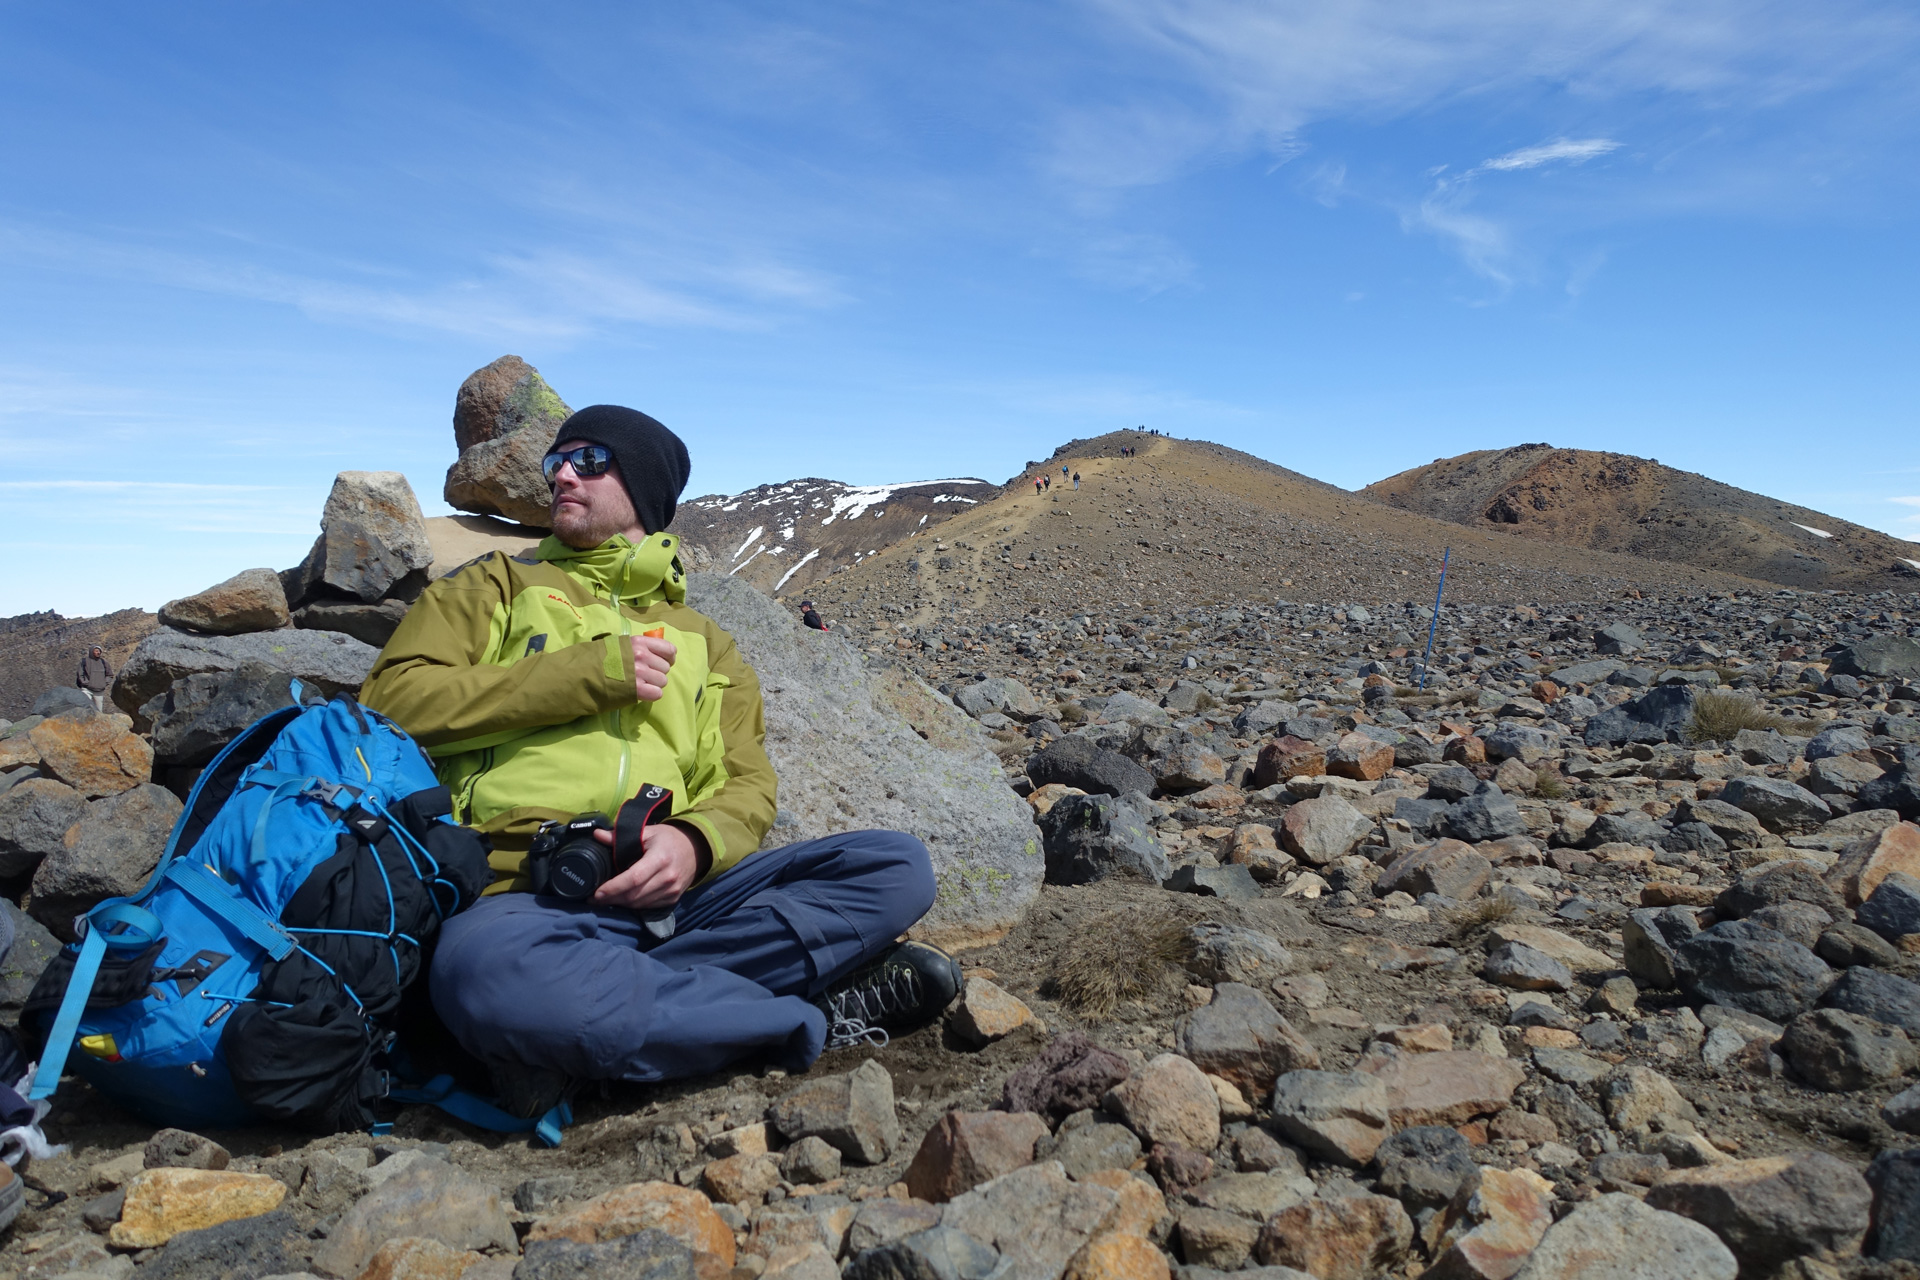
(161, 1203)
(18, 750)
(681, 1212)
(1044, 798)
(742, 1179)
(1871, 859)
(96, 756)
(419, 1258)
(1141, 1206)
(986, 1012)
(1115, 1256)
(747, 1140)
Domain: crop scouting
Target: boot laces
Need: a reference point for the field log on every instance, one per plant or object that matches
(854, 1012)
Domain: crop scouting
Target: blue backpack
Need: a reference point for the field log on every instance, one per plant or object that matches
(257, 976)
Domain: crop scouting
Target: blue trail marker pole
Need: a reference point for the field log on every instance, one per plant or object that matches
(1434, 625)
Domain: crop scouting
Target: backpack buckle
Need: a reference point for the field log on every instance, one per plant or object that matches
(328, 793)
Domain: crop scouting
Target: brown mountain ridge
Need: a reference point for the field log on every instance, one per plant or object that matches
(1635, 506)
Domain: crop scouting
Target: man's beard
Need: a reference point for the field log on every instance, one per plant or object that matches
(584, 527)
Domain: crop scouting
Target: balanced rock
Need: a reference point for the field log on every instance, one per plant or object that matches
(505, 418)
(372, 536)
(251, 600)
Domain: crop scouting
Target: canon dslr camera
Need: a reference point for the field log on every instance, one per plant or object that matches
(565, 861)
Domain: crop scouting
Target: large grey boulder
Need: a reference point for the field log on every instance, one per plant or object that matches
(325, 661)
(108, 853)
(199, 715)
(1076, 761)
(857, 748)
(1001, 693)
(1879, 658)
(505, 418)
(22, 960)
(34, 817)
(1089, 838)
(1660, 715)
(1783, 807)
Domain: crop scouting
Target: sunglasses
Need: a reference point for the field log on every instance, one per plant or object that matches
(587, 460)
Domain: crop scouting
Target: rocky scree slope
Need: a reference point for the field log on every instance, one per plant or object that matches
(1328, 975)
(1620, 503)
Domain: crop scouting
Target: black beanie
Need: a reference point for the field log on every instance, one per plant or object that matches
(653, 461)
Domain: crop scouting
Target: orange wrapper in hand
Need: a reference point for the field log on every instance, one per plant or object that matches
(658, 633)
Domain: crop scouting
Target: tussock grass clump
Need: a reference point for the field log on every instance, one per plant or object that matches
(1717, 716)
(1122, 955)
(1549, 785)
(1480, 913)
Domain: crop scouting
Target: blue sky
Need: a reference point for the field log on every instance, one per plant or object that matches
(243, 247)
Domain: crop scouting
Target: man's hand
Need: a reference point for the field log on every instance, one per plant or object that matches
(668, 866)
(652, 659)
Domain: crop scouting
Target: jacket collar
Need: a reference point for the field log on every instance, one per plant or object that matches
(636, 575)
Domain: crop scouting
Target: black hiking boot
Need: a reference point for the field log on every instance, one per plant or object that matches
(528, 1092)
(906, 988)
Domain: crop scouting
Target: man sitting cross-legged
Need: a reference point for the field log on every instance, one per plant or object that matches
(563, 682)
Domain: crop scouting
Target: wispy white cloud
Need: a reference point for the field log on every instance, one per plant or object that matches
(1564, 150)
(545, 294)
(1484, 242)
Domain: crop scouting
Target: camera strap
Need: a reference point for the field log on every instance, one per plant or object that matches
(652, 804)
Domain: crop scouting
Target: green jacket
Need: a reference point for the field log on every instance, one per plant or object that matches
(516, 675)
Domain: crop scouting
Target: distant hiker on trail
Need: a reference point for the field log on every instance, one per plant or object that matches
(1036, 486)
(1076, 480)
(572, 680)
(1063, 473)
(95, 677)
(1048, 480)
(810, 618)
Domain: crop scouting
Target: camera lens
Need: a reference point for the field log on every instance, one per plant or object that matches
(578, 868)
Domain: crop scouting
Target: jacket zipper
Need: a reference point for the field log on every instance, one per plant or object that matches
(473, 785)
(619, 715)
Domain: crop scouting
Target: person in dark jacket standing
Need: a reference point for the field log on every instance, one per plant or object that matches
(809, 617)
(95, 677)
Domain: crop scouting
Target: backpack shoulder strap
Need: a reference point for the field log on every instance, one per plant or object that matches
(137, 928)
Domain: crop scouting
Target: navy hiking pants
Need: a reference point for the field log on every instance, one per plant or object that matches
(567, 986)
